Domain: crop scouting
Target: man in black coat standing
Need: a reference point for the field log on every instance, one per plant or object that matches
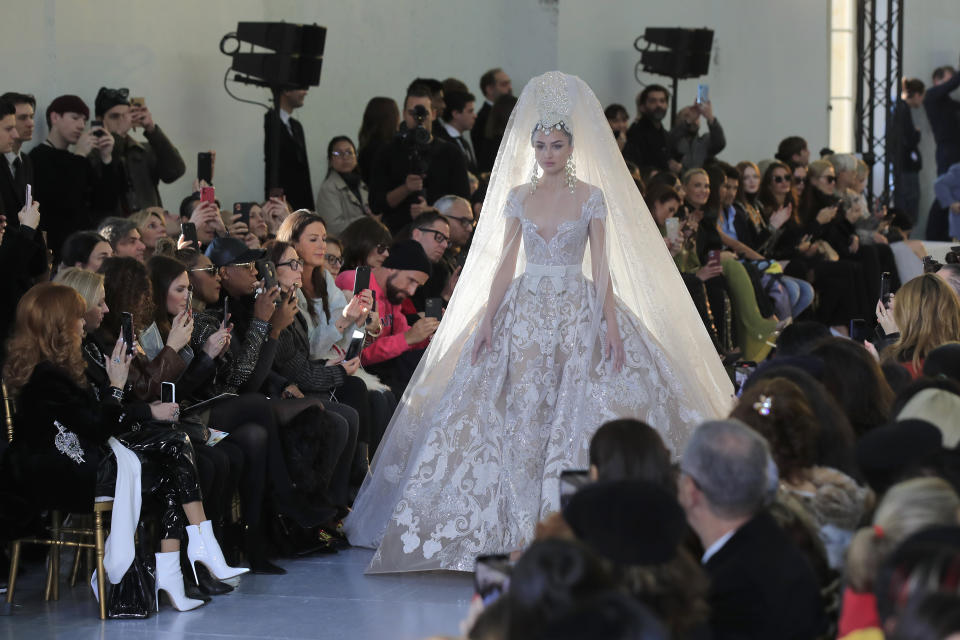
(493, 84)
(943, 113)
(285, 150)
(903, 141)
(647, 139)
(761, 584)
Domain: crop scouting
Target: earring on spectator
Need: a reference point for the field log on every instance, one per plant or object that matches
(534, 179)
(571, 169)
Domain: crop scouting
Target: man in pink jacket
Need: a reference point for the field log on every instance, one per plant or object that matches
(406, 268)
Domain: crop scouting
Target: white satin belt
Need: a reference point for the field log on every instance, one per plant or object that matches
(557, 274)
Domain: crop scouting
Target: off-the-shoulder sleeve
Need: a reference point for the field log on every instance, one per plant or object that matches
(596, 205)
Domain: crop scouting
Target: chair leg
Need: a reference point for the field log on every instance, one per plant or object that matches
(75, 571)
(52, 591)
(101, 579)
(14, 567)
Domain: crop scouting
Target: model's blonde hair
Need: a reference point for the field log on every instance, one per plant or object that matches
(927, 312)
(87, 283)
(908, 507)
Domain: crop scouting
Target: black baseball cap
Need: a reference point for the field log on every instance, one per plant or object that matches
(224, 251)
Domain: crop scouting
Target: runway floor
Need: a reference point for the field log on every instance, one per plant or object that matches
(320, 597)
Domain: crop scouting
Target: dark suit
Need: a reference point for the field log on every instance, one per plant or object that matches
(763, 587)
(13, 192)
(479, 127)
(464, 145)
(647, 144)
(943, 114)
(292, 172)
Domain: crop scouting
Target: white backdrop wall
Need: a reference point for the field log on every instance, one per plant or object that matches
(768, 74)
(168, 52)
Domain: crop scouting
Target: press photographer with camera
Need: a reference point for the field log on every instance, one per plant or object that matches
(415, 167)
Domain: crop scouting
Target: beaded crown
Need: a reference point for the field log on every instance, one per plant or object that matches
(553, 102)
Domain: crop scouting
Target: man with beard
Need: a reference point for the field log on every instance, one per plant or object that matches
(646, 138)
(405, 269)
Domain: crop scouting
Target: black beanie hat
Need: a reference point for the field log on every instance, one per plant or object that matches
(408, 256)
(884, 453)
(630, 522)
(943, 361)
(109, 98)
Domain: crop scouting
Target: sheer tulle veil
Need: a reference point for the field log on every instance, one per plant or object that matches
(641, 270)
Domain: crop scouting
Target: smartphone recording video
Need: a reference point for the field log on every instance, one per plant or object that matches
(491, 577)
(570, 483)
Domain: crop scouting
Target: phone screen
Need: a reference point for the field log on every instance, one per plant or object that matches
(126, 329)
(362, 279)
(189, 232)
(356, 344)
(886, 285)
(703, 93)
(434, 308)
(673, 228)
(168, 392)
(570, 482)
(491, 577)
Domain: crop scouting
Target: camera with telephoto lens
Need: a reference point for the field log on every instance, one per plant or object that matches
(416, 141)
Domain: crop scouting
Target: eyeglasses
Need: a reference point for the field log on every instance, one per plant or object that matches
(466, 222)
(438, 236)
(210, 271)
(294, 265)
(830, 179)
(779, 179)
(243, 265)
(331, 259)
(799, 180)
(343, 154)
(381, 248)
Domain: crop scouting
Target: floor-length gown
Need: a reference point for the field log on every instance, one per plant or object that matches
(486, 459)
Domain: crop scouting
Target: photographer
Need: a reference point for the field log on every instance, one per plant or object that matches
(415, 167)
(143, 164)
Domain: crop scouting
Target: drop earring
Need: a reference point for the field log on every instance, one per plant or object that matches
(534, 178)
(571, 170)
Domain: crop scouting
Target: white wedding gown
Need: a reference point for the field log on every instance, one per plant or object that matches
(472, 457)
(501, 433)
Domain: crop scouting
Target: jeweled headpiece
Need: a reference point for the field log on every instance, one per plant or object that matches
(553, 102)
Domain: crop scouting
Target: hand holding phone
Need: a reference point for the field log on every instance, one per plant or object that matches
(886, 288)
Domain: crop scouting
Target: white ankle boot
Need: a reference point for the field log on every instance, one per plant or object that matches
(203, 547)
(170, 579)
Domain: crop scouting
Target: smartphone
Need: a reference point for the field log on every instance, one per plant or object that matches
(190, 300)
(741, 373)
(434, 308)
(168, 392)
(673, 229)
(275, 192)
(226, 310)
(362, 279)
(243, 208)
(205, 166)
(570, 482)
(28, 198)
(100, 132)
(713, 256)
(886, 286)
(189, 232)
(138, 101)
(858, 330)
(703, 93)
(267, 271)
(491, 577)
(126, 330)
(208, 194)
(356, 344)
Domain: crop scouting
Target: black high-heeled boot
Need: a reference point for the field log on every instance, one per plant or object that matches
(255, 546)
(209, 586)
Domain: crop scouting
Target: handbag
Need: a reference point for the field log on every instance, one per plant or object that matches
(135, 595)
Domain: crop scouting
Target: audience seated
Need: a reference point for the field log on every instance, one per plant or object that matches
(783, 251)
(761, 585)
